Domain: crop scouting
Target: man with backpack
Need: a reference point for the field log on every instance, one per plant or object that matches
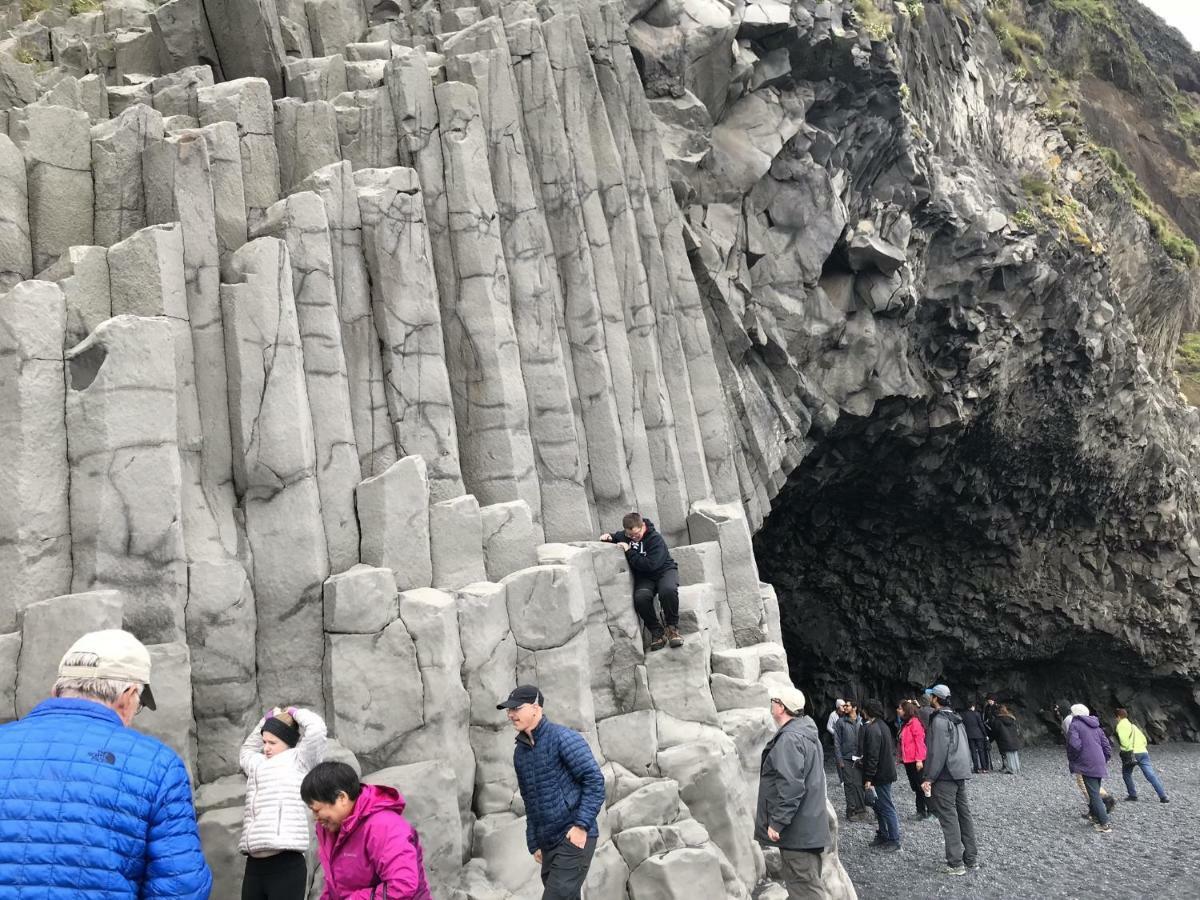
(947, 768)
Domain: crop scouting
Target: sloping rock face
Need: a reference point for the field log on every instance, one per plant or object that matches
(951, 393)
(334, 330)
(334, 333)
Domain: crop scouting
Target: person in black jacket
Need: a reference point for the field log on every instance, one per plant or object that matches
(654, 572)
(977, 737)
(1008, 740)
(878, 752)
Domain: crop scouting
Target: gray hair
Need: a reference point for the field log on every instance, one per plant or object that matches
(104, 690)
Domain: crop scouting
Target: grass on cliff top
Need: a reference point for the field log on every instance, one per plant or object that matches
(877, 23)
(1099, 13)
(1187, 366)
(30, 8)
(1173, 241)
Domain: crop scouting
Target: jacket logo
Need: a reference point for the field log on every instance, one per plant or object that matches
(103, 756)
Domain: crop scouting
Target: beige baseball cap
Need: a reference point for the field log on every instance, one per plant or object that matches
(791, 698)
(119, 656)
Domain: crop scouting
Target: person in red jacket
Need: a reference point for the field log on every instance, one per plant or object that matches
(368, 850)
(912, 754)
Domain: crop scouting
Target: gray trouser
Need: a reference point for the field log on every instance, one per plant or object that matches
(802, 875)
(949, 804)
(565, 868)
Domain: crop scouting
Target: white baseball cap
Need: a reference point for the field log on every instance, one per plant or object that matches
(119, 656)
(791, 698)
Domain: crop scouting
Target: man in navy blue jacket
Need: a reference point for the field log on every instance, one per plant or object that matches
(563, 790)
(654, 572)
(90, 808)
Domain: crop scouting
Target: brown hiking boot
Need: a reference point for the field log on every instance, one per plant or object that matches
(674, 638)
(658, 640)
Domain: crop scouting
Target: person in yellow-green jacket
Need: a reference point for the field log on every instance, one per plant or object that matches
(1132, 742)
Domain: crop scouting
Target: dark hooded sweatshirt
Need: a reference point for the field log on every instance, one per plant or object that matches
(649, 557)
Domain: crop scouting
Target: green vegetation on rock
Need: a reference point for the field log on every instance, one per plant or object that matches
(877, 23)
(1187, 366)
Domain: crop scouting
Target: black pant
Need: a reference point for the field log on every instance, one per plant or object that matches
(666, 586)
(283, 876)
(915, 777)
(981, 758)
(852, 784)
(565, 868)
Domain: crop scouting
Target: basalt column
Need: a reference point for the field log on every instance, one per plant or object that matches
(482, 360)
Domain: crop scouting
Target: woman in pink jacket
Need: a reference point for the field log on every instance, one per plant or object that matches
(368, 850)
(912, 754)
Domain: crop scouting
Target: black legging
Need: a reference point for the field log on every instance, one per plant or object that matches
(283, 876)
(666, 586)
(915, 777)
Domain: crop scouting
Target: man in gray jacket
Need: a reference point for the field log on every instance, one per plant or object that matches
(791, 797)
(845, 754)
(947, 768)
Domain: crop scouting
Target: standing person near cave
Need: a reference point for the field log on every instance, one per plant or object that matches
(912, 754)
(924, 711)
(878, 763)
(1131, 741)
(839, 709)
(845, 749)
(282, 748)
(1008, 739)
(1066, 710)
(947, 769)
(1088, 753)
(978, 738)
(791, 812)
(654, 572)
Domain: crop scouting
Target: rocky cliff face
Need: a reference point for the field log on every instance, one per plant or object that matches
(948, 331)
(334, 331)
(332, 336)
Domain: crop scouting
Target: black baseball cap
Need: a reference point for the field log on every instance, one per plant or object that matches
(522, 694)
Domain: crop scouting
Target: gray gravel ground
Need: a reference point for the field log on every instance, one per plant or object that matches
(1033, 843)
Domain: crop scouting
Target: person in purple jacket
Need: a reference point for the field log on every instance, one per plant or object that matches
(1088, 753)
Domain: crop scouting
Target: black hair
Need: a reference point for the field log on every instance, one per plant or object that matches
(873, 708)
(327, 780)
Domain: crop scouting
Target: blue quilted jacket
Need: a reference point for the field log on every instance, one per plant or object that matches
(560, 784)
(91, 809)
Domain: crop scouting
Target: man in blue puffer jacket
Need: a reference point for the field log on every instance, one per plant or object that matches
(90, 808)
(563, 790)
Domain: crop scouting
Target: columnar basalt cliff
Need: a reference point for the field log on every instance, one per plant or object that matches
(334, 332)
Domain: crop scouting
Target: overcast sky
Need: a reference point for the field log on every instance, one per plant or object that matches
(1183, 14)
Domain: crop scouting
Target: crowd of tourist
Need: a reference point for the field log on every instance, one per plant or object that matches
(90, 807)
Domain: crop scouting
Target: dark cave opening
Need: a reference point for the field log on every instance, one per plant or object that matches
(988, 557)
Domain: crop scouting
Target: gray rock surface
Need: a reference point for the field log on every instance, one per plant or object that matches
(350, 308)
(35, 527)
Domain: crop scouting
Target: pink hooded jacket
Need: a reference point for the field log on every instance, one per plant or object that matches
(912, 741)
(376, 847)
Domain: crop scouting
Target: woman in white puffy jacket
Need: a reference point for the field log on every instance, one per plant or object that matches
(279, 752)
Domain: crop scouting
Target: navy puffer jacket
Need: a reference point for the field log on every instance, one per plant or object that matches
(560, 783)
(92, 809)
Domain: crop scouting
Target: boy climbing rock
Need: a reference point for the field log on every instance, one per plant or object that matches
(654, 572)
